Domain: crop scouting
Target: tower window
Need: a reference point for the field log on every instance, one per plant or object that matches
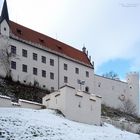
(99, 84)
(113, 87)
(79, 105)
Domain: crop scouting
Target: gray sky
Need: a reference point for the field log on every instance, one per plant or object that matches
(110, 29)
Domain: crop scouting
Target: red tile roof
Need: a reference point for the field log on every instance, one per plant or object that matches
(53, 44)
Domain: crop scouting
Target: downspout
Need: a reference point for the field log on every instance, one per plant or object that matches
(58, 73)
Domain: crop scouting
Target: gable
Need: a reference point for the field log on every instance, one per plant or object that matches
(4, 28)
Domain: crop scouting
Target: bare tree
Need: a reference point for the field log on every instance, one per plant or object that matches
(128, 107)
(5, 59)
(111, 75)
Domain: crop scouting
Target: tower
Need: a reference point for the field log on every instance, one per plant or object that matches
(133, 89)
(4, 20)
(4, 13)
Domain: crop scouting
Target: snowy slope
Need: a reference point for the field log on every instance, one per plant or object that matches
(27, 124)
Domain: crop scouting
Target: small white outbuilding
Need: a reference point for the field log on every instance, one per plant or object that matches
(75, 105)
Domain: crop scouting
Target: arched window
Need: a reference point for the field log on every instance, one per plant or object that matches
(87, 89)
(99, 84)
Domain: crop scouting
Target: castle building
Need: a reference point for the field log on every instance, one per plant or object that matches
(38, 58)
(42, 59)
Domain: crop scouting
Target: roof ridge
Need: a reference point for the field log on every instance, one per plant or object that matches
(48, 36)
(29, 34)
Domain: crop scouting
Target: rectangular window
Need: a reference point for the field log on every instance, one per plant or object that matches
(65, 66)
(51, 62)
(35, 71)
(77, 70)
(24, 68)
(65, 79)
(13, 65)
(43, 73)
(34, 56)
(24, 53)
(51, 75)
(87, 74)
(13, 49)
(52, 89)
(43, 59)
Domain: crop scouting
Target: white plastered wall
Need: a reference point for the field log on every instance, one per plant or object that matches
(115, 92)
(75, 105)
(57, 69)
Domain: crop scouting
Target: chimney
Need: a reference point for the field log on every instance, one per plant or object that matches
(84, 49)
(87, 53)
(90, 58)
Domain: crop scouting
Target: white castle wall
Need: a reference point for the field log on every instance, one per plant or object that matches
(115, 92)
(133, 89)
(75, 105)
(57, 69)
(111, 90)
(6, 102)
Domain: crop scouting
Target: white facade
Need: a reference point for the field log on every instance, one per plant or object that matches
(64, 70)
(75, 105)
(6, 102)
(57, 71)
(115, 92)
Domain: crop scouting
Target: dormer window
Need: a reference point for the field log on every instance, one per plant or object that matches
(19, 31)
(41, 40)
(59, 47)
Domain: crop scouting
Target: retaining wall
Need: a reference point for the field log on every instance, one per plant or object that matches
(6, 102)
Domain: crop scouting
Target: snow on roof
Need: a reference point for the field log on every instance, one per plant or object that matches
(6, 97)
(30, 102)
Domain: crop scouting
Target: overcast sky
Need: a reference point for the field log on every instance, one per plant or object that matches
(109, 29)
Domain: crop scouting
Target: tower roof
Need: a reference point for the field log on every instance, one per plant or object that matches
(4, 13)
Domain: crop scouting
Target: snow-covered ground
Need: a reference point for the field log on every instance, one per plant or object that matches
(27, 124)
